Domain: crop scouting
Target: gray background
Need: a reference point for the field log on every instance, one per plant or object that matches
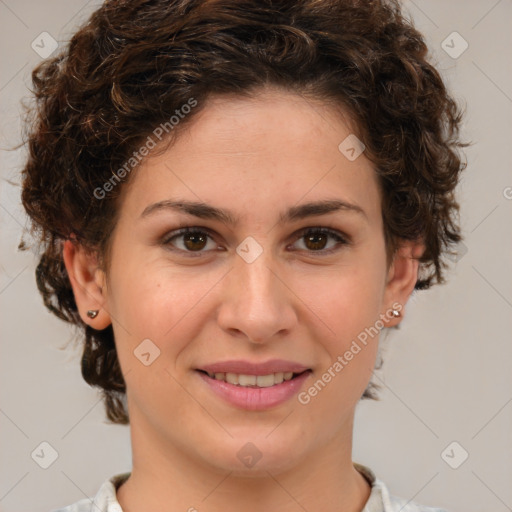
(446, 375)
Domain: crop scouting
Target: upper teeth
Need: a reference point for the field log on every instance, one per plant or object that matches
(261, 381)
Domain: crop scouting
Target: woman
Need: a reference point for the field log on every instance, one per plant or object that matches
(235, 199)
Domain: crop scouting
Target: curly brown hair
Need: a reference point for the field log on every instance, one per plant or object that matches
(134, 63)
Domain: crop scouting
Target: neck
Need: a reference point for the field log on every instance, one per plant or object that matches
(165, 477)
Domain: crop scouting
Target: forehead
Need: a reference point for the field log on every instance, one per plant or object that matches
(275, 148)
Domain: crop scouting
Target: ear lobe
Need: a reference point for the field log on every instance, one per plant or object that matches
(402, 277)
(88, 283)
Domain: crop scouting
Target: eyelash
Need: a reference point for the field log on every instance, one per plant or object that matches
(342, 240)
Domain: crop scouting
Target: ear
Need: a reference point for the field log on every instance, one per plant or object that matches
(88, 282)
(401, 279)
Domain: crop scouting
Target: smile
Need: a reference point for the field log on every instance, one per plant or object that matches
(254, 392)
(258, 381)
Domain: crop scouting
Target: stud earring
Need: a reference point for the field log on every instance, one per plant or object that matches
(395, 313)
(92, 313)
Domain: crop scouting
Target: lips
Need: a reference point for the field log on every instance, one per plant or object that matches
(245, 395)
(254, 386)
(240, 366)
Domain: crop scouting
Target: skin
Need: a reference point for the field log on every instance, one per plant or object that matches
(256, 157)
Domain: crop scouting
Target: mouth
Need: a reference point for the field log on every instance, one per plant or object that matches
(254, 385)
(259, 391)
(254, 381)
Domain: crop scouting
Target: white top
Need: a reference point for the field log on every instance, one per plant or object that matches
(379, 501)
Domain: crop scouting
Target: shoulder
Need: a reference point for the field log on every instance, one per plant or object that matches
(411, 506)
(381, 500)
(402, 505)
(397, 504)
(80, 506)
(104, 500)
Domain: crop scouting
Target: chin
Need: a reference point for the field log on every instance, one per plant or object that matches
(258, 458)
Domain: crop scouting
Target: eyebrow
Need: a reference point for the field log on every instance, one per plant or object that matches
(206, 211)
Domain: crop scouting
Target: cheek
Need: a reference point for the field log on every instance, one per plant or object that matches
(153, 313)
(348, 299)
(151, 300)
(348, 302)
(351, 310)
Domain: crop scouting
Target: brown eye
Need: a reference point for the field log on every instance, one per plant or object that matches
(193, 240)
(316, 239)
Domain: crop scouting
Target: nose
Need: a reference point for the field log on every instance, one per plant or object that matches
(257, 300)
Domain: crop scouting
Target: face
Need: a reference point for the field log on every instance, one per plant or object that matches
(267, 287)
